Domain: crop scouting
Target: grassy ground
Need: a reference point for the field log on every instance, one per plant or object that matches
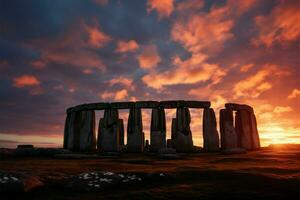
(270, 173)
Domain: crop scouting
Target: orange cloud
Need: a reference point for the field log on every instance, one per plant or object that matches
(25, 81)
(149, 58)
(118, 95)
(189, 5)
(190, 71)
(97, 38)
(128, 83)
(203, 31)
(295, 93)
(280, 26)
(164, 8)
(256, 84)
(282, 109)
(130, 46)
(246, 67)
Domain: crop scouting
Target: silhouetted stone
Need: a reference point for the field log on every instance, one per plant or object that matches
(158, 129)
(169, 143)
(173, 132)
(227, 130)
(238, 107)
(210, 133)
(73, 131)
(121, 130)
(242, 127)
(147, 146)
(87, 136)
(146, 104)
(135, 134)
(109, 131)
(254, 132)
(122, 105)
(184, 140)
(66, 131)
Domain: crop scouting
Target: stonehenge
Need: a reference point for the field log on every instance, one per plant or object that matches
(239, 131)
(237, 125)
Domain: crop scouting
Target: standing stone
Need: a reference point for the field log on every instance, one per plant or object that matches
(87, 136)
(109, 131)
(73, 131)
(80, 131)
(228, 134)
(135, 134)
(184, 140)
(254, 132)
(121, 129)
(242, 127)
(158, 129)
(210, 133)
(66, 131)
(173, 132)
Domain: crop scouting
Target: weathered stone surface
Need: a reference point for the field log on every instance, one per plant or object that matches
(242, 128)
(73, 131)
(146, 104)
(122, 105)
(197, 104)
(184, 140)
(81, 136)
(66, 131)
(210, 133)
(121, 131)
(237, 107)
(158, 129)
(254, 132)
(87, 136)
(227, 130)
(172, 104)
(135, 134)
(109, 131)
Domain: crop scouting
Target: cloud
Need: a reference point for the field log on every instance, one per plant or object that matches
(246, 68)
(164, 8)
(280, 26)
(75, 47)
(294, 94)
(97, 38)
(282, 109)
(254, 85)
(116, 95)
(203, 31)
(127, 46)
(189, 6)
(189, 71)
(149, 58)
(25, 81)
(128, 83)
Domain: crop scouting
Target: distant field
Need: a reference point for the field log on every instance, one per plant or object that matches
(273, 172)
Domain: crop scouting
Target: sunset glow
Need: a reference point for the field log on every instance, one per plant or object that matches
(55, 55)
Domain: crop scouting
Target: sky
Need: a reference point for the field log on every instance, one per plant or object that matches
(56, 54)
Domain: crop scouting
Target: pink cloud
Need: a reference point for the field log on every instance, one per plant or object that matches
(280, 26)
(164, 8)
(97, 38)
(25, 81)
(128, 83)
(149, 58)
(127, 46)
(189, 71)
